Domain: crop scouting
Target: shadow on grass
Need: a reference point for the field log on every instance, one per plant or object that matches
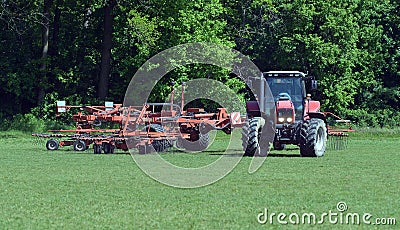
(227, 154)
(86, 152)
(292, 149)
(288, 153)
(269, 155)
(284, 155)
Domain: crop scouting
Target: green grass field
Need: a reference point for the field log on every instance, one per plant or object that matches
(66, 189)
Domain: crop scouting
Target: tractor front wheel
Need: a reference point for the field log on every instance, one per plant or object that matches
(313, 138)
(251, 138)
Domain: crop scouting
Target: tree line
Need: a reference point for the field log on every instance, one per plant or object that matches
(87, 51)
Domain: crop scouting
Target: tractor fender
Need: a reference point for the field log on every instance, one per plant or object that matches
(253, 109)
(318, 115)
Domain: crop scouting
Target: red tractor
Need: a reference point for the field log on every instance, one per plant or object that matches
(288, 116)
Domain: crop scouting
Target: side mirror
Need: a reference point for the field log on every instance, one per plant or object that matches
(314, 85)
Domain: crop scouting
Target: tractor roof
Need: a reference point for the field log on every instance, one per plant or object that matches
(284, 74)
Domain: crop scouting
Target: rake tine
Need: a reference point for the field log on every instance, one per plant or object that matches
(338, 141)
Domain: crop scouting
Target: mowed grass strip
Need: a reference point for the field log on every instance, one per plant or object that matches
(42, 189)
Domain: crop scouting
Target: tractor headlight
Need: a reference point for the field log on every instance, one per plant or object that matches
(289, 119)
(281, 119)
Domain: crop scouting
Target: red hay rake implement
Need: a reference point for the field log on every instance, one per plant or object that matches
(338, 135)
(143, 127)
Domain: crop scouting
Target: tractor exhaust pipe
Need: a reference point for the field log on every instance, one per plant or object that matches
(261, 100)
(182, 97)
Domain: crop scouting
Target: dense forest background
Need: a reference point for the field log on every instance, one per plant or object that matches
(86, 52)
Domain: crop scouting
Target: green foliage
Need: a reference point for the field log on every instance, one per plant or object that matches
(383, 118)
(31, 124)
(336, 41)
(352, 47)
(27, 123)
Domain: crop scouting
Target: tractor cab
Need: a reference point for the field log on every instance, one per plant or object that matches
(287, 88)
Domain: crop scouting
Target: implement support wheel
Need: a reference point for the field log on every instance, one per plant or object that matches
(80, 145)
(52, 145)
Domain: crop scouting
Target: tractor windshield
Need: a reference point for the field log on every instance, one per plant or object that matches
(289, 86)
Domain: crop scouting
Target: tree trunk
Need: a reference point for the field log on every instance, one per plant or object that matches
(56, 28)
(45, 49)
(105, 67)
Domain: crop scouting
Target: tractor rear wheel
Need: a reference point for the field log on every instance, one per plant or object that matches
(251, 138)
(313, 138)
(52, 145)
